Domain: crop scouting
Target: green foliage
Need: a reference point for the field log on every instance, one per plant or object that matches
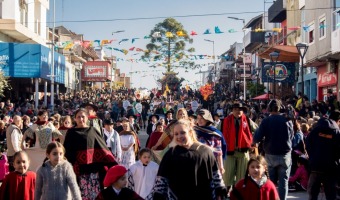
(3, 84)
(252, 87)
(158, 48)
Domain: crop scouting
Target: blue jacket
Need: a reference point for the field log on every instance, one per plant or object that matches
(323, 146)
(277, 132)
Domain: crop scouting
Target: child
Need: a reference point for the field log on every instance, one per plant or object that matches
(154, 137)
(19, 184)
(256, 184)
(115, 182)
(3, 165)
(299, 182)
(55, 178)
(142, 174)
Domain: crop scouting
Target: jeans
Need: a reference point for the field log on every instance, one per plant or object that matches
(279, 169)
(329, 183)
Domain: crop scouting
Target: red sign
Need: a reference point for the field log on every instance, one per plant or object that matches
(325, 79)
(99, 71)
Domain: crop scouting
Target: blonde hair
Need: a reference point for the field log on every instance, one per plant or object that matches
(184, 111)
(189, 125)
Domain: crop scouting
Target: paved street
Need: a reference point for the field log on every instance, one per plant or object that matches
(294, 195)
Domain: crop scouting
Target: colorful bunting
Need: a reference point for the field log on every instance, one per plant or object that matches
(232, 31)
(277, 30)
(207, 32)
(180, 34)
(156, 35)
(123, 40)
(193, 33)
(147, 37)
(132, 48)
(133, 40)
(217, 30)
(169, 35)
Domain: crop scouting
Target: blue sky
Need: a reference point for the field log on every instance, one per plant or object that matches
(83, 10)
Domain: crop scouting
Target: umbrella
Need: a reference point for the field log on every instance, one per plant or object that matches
(261, 97)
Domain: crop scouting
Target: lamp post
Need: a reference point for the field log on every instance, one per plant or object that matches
(213, 42)
(302, 48)
(273, 58)
(244, 54)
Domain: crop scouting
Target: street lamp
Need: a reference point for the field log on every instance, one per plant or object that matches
(213, 42)
(302, 48)
(244, 54)
(274, 56)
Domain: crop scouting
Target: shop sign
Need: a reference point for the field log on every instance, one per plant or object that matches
(327, 79)
(95, 71)
(284, 72)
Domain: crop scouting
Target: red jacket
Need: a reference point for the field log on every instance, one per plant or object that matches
(244, 135)
(252, 191)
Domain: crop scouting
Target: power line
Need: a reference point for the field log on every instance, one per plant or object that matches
(163, 17)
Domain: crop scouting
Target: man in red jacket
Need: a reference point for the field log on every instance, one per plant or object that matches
(237, 133)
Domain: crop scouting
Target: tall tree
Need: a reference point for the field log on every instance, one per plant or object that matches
(168, 44)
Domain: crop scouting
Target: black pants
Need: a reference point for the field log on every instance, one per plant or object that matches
(329, 182)
(10, 163)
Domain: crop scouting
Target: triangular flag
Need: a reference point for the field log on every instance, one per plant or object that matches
(132, 48)
(139, 49)
(125, 51)
(259, 30)
(147, 37)
(217, 30)
(322, 26)
(105, 42)
(306, 28)
(123, 40)
(180, 33)
(207, 31)
(86, 43)
(169, 35)
(193, 33)
(277, 30)
(294, 28)
(97, 41)
(134, 39)
(231, 31)
(156, 35)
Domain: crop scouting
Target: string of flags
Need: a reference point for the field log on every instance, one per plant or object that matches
(217, 30)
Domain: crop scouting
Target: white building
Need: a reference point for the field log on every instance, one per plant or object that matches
(23, 21)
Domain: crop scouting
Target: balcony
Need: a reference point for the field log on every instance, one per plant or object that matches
(278, 38)
(253, 39)
(336, 41)
(277, 12)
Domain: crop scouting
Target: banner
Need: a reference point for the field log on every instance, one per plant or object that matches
(284, 72)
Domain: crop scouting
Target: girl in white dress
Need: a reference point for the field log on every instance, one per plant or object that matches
(129, 148)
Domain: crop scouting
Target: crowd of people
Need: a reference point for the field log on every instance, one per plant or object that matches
(87, 147)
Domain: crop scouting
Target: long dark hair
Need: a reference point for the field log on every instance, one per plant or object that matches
(50, 148)
(259, 159)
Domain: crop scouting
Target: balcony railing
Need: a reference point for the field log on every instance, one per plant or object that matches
(278, 38)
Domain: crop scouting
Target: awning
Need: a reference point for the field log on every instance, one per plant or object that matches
(287, 53)
(262, 97)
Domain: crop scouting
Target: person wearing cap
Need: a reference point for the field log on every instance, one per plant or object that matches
(277, 132)
(323, 147)
(168, 116)
(153, 119)
(115, 182)
(93, 120)
(134, 126)
(237, 131)
(112, 139)
(208, 134)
